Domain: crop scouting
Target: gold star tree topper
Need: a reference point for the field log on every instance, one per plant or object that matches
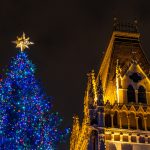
(23, 42)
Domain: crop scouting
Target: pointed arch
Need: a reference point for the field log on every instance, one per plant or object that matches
(94, 120)
(132, 120)
(107, 120)
(124, 120)
(94, 139)
(142, 95)
(115, 119)
(148, 122)
(140, 122)
(131, 94)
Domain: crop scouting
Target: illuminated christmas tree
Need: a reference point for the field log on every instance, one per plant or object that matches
(26, 121)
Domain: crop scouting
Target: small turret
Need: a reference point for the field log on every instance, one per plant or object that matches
(75, 132)
(100, 100)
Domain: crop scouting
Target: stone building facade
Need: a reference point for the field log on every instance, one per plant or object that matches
(117, 99)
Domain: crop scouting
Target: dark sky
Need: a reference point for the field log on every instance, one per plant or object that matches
(69, 37)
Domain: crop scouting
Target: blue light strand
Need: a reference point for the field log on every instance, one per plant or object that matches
(26, 122)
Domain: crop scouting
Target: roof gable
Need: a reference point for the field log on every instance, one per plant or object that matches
(121, 47)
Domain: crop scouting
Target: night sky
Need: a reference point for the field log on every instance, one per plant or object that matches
(70, 37)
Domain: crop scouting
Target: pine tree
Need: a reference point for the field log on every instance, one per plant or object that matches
(26, 121)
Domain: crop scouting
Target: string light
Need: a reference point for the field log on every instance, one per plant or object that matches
(26, 121)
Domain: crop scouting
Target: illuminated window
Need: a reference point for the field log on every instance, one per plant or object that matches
(132, 121)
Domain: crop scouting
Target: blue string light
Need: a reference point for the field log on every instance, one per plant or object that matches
(26, 122)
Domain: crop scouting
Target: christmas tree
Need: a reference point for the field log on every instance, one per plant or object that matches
(26, 121)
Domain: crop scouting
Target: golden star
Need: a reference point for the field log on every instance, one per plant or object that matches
(23, 42)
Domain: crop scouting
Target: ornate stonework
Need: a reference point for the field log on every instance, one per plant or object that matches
(117, 101)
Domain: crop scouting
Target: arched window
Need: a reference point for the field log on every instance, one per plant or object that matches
(124, 120)
(142, 95)
(131, 94)
(148, 122)
(132, 121)
(107, 120)
(115, 119)
(94, 120)
(140, 123)
(94, 140)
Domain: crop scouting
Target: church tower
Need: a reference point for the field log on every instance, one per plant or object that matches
(116, 102)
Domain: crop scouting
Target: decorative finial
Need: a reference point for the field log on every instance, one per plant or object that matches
(22, 42)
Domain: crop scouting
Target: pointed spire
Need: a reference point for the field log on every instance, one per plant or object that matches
(94, 87)
(75, 132)
(88, 100)
(117, 79)
(75, 120)
(89, 83)
(100, 91)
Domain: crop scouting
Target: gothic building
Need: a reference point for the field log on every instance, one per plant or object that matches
(117, 99)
